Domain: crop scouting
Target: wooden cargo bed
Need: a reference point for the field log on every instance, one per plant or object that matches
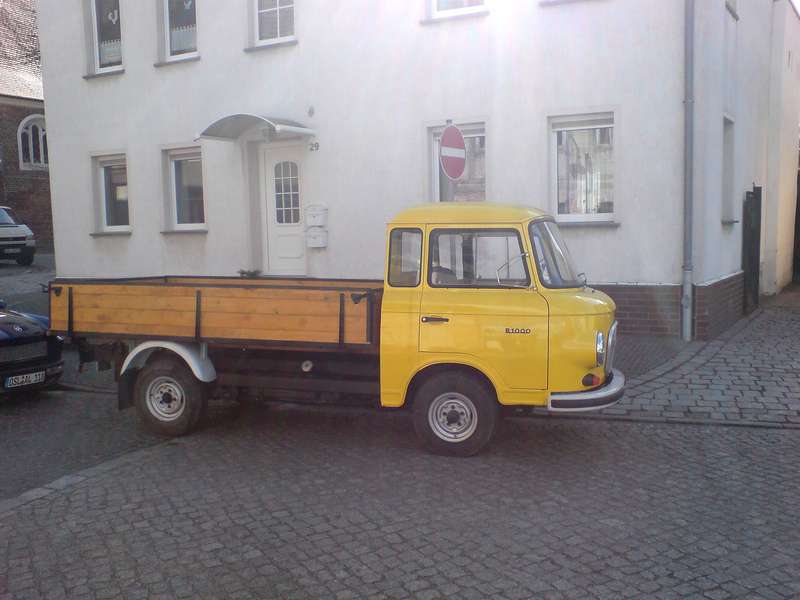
(323, 313)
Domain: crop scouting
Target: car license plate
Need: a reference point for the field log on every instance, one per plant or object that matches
(13, 250)
(22, 380)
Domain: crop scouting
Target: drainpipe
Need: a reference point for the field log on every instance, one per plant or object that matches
(688, 171)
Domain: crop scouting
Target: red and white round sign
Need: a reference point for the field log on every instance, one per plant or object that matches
(452, 152)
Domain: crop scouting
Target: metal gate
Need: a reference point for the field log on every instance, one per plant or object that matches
(751, 247)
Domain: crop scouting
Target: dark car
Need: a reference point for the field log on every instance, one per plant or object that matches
(30, 359)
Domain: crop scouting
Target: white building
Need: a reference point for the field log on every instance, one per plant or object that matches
(195, 137)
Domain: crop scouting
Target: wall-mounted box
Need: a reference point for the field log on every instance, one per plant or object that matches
(316, 237)
(317, 216)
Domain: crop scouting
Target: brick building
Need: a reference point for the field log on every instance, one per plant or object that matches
(24, 176)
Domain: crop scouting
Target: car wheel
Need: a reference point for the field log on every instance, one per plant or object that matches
(454, 414)
(169, 399)
(26, 260)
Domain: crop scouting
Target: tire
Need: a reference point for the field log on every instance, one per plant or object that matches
(455, 414)
(26, 260)
(169, 399)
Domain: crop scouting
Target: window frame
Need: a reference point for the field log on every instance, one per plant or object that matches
(421, 253)
(100, 165)
(281, 39)
(167, 55)
(474, 128)
(433, 234)
(95, 29)
(577, 122)
(25, 124)
(172, 157)
(436, 13)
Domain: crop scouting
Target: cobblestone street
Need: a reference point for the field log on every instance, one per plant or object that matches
(282, 502)
(331, 504)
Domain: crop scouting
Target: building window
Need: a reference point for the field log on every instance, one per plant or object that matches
(32, 143)
(181, 27)
(186, 189)
(582, 168)
(112, 174)
(287, 193)
(274, 20)
(107, 26)
(405, 257)
(471, 186)
(485, 258)
(448, 8)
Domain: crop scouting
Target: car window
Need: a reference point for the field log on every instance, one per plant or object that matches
(477, 258)
(7, 217)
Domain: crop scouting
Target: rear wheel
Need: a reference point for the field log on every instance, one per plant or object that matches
(169, 399)
(455, 414)
(26, 260)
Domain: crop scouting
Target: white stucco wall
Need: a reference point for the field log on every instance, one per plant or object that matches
(376, 78)
(784, 129)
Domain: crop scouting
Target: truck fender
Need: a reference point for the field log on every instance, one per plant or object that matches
(194, 355)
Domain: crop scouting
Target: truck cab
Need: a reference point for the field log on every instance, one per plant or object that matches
(483, 308)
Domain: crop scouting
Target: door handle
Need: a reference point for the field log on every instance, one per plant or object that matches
(435, 319)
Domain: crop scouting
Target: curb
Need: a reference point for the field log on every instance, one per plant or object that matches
(9, 505)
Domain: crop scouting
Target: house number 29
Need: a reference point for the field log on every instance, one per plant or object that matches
(313, 146)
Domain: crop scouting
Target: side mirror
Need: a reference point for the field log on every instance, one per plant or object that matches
(582, 279)
(507, 265)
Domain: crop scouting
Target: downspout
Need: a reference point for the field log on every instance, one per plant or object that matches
(688, 172)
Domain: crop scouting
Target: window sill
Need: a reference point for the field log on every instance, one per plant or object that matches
(267, 45)
(455, 17)
(589, 223)
(104, 74)
(111, 233)
(198, 230)
(557, 2)
(177, 60)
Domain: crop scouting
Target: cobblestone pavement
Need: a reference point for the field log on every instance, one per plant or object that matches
(750, 375)
(637, 354)
(334, 504)
(45, 437)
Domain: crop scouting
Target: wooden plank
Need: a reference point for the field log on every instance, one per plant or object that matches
(121, 302)
(132, 290)
(270, 307)
(142, 316)
(292, 282)
(123, 329)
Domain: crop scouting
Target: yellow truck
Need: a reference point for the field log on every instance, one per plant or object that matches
(481, 309)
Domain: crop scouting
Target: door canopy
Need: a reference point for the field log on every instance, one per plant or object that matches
(232, 127)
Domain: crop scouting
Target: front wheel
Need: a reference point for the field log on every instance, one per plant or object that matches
(455, 414)
(169, 399)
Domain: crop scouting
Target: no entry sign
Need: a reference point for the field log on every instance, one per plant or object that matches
(452, 152)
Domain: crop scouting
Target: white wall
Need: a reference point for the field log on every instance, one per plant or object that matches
(376, 78)
(782, 152)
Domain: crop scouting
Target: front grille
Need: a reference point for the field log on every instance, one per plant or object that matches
(23, 352)
(612, 344)
(13, 239)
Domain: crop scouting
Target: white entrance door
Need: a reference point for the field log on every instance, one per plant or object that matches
(282, 196)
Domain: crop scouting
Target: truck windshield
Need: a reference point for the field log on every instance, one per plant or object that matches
(556, 269)
(6, 217)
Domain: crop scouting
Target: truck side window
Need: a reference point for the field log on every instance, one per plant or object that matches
(405, 257)
(475, 258)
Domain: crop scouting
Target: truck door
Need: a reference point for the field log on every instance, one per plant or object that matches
(402, 294)
(478, 300)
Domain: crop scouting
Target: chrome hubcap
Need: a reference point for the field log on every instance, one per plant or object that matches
(165, 399)
(452, 417)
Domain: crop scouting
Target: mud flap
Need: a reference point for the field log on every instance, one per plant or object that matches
(125, 386)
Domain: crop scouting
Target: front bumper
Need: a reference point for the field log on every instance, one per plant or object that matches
(606, 395)
(12, 250)
(52, 369)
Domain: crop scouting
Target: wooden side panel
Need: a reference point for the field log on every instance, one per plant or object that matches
(227, 312)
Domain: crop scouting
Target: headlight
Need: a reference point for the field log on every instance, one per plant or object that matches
(29, 237)
(600, 348)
